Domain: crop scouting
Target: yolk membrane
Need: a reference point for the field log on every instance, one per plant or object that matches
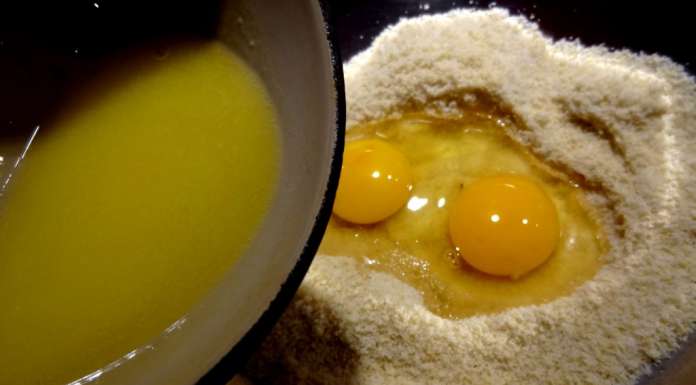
(376, 181)
(504, 225)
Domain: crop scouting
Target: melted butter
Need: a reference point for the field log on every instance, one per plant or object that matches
(129, 207)
(414, 244)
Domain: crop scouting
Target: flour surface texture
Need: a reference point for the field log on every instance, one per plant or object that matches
(349, 325)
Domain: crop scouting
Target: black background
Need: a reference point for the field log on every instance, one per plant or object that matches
(665, 27)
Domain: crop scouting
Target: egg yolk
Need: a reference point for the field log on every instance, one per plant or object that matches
(504, 225)
(376, 181)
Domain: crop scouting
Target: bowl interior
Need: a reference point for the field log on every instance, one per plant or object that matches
(286, 43)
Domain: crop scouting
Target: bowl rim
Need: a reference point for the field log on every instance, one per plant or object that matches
(233, 361)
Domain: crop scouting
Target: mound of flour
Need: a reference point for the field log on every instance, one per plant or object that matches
(624, 122)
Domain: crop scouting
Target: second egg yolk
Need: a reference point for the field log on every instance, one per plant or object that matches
(504, 225)
(376, 181)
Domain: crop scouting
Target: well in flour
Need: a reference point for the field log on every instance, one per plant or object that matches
(625, 123)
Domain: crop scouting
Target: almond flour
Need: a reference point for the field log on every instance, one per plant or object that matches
(623, 122)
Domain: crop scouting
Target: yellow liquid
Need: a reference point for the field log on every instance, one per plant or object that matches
(129, 207)
(414, 244)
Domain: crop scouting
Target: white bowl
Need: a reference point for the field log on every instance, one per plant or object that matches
(288, 44)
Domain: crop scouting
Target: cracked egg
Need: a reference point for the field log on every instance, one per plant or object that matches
(461, 212)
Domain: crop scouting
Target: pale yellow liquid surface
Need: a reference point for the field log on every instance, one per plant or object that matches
(129, 207)
(414, 244)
